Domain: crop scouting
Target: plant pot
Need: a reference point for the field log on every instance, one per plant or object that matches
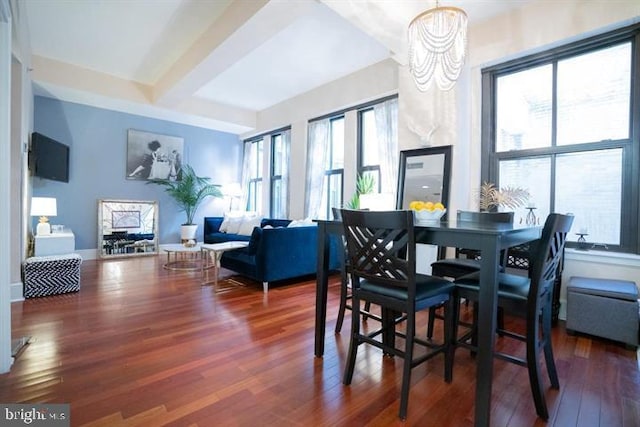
(188, 232)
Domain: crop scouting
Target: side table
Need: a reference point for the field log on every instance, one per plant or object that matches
(214, 252)
(55, 243)
(184, 258)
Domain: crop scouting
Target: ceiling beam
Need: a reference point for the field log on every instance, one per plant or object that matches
(241, 28)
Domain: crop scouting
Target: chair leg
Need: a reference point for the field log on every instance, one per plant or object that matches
(500, 321)
(456, 321)
(343, 305)
(474, 329)
(535, 380)
(389, 329)
(367, 309)
(406, 371)
(449, 312)
(547, 319)
(431, 322)
(354, 342)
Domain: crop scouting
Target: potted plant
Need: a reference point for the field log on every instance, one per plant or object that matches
(189, 193)
(492, 197)
(364, 185)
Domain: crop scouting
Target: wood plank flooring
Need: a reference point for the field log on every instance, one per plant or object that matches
(143, 346)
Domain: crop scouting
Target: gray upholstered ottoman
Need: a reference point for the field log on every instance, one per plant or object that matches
(51, 275)
(603, 307)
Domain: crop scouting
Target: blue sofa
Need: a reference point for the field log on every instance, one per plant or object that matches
(274, 253)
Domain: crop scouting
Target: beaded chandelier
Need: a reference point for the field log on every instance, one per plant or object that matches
(437, 45)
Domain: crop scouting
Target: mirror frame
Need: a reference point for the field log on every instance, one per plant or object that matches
(405, 155)
(100, 249)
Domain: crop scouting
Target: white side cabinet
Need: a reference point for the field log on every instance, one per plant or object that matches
(55, 243)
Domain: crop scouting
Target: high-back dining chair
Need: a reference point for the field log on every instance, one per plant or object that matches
(531, 298)
(459, 266)
(345, 284)
(382, 256)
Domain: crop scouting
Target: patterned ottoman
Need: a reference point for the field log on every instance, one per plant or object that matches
(51, 275)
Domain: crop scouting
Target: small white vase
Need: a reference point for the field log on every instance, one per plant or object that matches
(188, 232)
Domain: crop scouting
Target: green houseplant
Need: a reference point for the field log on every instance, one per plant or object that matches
(364, 185)
(189, 193)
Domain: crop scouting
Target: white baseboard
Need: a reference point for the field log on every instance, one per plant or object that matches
(87, 254)
(16, 292)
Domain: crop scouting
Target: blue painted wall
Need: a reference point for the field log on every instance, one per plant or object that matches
(97, 140)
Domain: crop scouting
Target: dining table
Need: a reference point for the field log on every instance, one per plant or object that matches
(488, 239)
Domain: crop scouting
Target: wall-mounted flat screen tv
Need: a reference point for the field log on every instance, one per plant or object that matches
(48, 158)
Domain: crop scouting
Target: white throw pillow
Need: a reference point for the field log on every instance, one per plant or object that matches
(248, 224)
(307, 222)
(234, 225)
(228, 217)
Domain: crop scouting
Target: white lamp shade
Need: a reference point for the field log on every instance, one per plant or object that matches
(232, 190)
(43, 206)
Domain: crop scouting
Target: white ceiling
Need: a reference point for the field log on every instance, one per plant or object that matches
(232, 58)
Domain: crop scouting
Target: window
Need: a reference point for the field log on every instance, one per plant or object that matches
(564, 124)
(378, 148)
(279, 174)
(334, 169)
(254, 198)
(368, 155)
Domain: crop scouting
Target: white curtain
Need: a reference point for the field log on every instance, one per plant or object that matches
(284, 161)
(386, 116)
(249, 159)
(317, 148)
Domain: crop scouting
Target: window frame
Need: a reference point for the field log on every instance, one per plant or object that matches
(273, 177)
(630, 193)
(361, 168)
(256, 177)
(328, 173)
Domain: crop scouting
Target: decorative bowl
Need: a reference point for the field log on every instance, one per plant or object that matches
(189, 243)
(426, 215)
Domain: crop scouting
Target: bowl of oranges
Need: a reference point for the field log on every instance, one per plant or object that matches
(427, 211)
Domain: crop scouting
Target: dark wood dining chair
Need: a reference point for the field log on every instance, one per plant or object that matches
(529, 297)
(382, 255)
(470, 263)
(345, 285)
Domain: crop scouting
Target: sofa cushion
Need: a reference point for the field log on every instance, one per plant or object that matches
(212, 224)
(254, 242)
(275, 223)
(248, 224)
(307, 222)
(233, 225)
(224, 237)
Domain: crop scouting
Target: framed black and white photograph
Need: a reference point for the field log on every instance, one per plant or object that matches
(153, 156)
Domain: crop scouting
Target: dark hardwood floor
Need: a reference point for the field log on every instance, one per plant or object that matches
(143, 346)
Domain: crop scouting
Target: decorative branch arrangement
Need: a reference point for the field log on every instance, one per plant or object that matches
(510, 197)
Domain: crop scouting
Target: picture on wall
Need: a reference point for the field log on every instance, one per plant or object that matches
(153, 156)
(125, 219)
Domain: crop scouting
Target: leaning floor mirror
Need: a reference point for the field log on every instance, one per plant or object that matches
(424, 175)
(127, 228)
